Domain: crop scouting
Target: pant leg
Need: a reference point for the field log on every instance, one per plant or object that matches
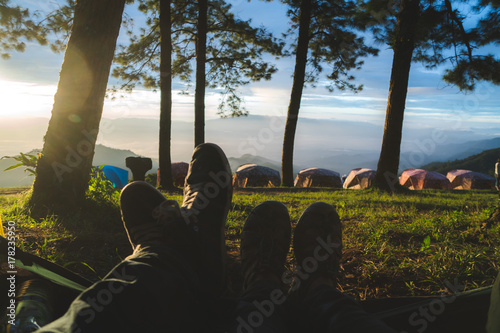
(493, 324)
(328, 310)
(260, 310)
(150, 292)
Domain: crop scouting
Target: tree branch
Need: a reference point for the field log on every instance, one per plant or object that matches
(460, 26)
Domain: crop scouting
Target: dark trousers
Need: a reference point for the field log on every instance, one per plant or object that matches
(156, 291)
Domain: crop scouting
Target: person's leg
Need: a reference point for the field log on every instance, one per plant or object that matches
(154, 288)
(493, 324)
(265, 242)
(207, 200)
(319, 306)
(168, 283)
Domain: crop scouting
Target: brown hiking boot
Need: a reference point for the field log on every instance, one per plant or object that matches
(265, 242)
(146, 213)
(317, 244)
(207, 199)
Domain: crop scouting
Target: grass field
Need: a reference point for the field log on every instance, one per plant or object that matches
(394, 245)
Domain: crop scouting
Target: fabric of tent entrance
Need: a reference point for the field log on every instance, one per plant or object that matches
(418, 179)
(179, 173)
(467, 180)
(118, 176)
(317, 177)
(359, 179)
(253, 175)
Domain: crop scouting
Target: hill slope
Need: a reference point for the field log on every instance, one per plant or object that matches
(235, 162)
(102, 155)
(483, 162)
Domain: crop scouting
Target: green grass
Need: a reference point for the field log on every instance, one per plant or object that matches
(394, 245)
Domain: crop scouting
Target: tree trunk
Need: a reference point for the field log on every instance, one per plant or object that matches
(165, 181)
(201, 55)
(63, 171)
(388, 164)
(296, 96)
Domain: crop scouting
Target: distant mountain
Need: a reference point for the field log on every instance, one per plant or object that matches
(103, 155)
(15, 177)
(344, 163)
(116, 157)
(235, 162)
(456, 151)
(338, 145)
(483, 162)
(335, 144)
(425, 151)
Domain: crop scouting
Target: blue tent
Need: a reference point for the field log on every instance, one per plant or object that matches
(118, 176)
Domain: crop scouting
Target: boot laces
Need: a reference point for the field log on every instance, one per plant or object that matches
(163, 215)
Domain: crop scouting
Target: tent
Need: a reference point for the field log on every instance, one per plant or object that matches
(317, 177)
(118, 176)
(467, 180)
(418, 179)
(253, 175)
(179, 173)
(359, 179)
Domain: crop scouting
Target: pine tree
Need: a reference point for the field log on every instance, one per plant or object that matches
(327, 36)
(63, 171)
(423, 31)
(18, 25)
(165, 180)
(233, 56)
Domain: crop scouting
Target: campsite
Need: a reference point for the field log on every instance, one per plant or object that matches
(229, 166)
(411, 244)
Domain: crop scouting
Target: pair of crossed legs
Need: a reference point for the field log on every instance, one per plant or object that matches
(175, 278)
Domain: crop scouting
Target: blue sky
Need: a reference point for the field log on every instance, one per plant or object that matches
(28, 82)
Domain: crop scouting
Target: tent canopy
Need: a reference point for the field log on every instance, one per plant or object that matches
(116, 175)
(465, 180)
(253, 175)
(317, 177)
(179, 173)
(359, 178)
(418, 179)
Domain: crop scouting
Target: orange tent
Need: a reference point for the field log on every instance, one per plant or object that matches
(359, 178)
(466, 180)
(317, 177)
(418, 179)
(253, 175)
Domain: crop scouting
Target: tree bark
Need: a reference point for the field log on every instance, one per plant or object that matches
(201, 56)
(63, 171)
(388, 164)
(296, 95)
(165, 181)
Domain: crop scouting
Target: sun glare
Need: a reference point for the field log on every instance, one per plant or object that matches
(19, 99)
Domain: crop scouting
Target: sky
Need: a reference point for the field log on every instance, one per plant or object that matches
(28, 82)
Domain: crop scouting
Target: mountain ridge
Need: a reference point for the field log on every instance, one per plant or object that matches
(339, 160)
(483, 162)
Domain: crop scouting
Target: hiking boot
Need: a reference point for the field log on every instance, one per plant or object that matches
(207, 199)
(265, 242)
(146, 213)
(317, 244)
